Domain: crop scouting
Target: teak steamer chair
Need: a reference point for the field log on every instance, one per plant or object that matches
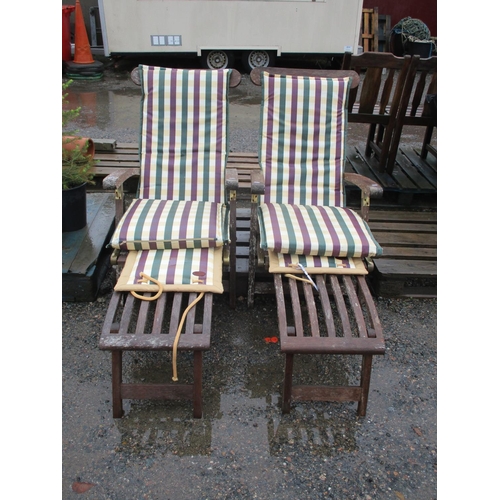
(301, 233)
(175, 232)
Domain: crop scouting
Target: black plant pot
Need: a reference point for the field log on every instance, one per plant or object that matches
(74, 208)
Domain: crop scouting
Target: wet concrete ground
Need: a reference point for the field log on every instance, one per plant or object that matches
(243, 447)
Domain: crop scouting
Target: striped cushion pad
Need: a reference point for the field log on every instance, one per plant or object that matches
(183, 141)
(315, 264)
(312, 230)
(302, 140)
(174, 269)
(166, 224)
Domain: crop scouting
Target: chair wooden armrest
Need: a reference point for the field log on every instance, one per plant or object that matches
(115, 182)
(116, 179)
(256, 183)
(374, 189)
(369, 189)
(231, 179)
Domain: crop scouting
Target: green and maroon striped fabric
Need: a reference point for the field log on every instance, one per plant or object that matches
(302, 143)
(311, 230)
(166, 224)
(183, 142)
(302, 153)
(186, 270)
(183, 155)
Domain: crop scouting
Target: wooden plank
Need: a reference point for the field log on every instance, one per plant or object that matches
(360, 165)
(412, 252)
(422, 166)
(402, 216)
(402, 227)
(406, 268)
(405, 239)
(414, 173)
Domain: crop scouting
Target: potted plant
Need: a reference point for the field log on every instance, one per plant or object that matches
(77, 163)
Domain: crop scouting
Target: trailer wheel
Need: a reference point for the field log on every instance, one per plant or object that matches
(217, 59)
(257, 59)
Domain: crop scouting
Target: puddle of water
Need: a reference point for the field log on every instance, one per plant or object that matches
(114, 103)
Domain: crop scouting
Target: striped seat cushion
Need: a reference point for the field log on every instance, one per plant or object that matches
(190, 270)
(313, 230)
(183, 141)
(302, 139)
(167, 224)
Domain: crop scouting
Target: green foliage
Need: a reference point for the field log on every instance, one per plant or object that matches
(76, 163)
(68, 114)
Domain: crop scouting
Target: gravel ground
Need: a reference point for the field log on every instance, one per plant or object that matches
(244, 447)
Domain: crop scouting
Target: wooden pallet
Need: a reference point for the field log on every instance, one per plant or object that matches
(375, 31)
(408, 267)
(369, 30)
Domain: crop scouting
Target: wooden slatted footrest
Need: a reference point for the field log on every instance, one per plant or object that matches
(341, 319)
(135, 325)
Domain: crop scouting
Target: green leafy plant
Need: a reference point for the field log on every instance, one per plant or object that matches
(76, 160)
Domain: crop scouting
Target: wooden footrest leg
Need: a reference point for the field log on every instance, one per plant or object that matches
(366, 370)
(197, 400)
(116, 383)
(287, 384)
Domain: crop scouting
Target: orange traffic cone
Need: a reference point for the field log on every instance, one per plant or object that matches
(83, 55)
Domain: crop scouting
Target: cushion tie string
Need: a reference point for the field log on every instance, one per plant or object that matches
(307, 278)
(144, 279)
(199, 278)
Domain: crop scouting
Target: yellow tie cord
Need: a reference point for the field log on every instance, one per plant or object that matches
(293, 276)
(144, 279)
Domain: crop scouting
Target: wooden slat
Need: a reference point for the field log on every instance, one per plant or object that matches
(406, 268)
(411, 252)
(405, 239)
(402, 227)
(341, 306)
(326, 307)
(297, 313)
(355, 307)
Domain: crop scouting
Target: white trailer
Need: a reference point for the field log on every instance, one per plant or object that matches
(218, 31)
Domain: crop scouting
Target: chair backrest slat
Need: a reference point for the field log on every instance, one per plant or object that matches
(183, 142)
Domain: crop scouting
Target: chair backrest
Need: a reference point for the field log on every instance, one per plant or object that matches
(419, 111)
(302, 140)
(377, 98)
(183, 142)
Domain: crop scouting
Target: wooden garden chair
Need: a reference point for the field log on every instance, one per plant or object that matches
(420, 108)
(384, 88)
(312, 245)
(176, 230)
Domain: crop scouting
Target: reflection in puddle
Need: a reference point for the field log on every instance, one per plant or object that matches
(237, 422)
(105, 109)
(115, 104)
(153, 428)
(320, 431)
